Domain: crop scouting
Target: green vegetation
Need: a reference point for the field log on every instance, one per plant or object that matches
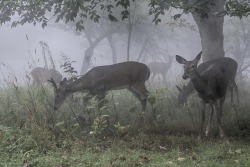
(117, 135)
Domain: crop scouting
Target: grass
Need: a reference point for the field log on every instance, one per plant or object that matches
(32, 132)
(139, 150)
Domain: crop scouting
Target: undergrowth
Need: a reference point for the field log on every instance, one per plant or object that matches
(76, 134)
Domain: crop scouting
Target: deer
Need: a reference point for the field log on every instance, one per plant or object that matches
(211, 85)
(97, 81)
(42, 75)
(228, 63)
(160, 68)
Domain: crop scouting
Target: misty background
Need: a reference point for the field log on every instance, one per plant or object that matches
(21, 51)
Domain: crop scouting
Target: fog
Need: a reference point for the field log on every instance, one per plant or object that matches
(17, 52)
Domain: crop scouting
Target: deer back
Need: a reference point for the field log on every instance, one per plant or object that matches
(40, 74)
(118, 75)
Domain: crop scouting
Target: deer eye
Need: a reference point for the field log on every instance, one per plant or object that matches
(57, 96)
(184, 66)
(193, 66)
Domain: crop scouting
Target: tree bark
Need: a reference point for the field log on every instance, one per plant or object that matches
(211, 30)
(113, 49)
(145, 43)
(90, 50)
(129, 36)
(86, 60)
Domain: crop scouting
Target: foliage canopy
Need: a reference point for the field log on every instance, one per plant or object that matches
(20, 12)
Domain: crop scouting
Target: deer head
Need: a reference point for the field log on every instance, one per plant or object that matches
(189, 66)
(60, 93)
(182, 97)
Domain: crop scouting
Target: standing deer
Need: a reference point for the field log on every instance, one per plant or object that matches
(228, 63)
(211, 86)
(99, 80)
(42, 75)
(160, 68)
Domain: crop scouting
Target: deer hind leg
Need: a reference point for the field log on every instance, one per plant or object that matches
(153, 77)
(218, 112)
(233, 85)
(202, 118)
(237, 91)
(164, 79)
(231, 91)
(140, 91)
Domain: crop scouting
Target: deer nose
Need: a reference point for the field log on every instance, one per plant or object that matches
(55, 108)
(184, 76)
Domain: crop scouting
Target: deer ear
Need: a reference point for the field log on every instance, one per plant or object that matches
(198, 57)
(63, 82)
(180, 59)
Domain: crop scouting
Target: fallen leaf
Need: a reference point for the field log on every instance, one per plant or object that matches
(181, 159)
(163, 148)
(238, 151)
(237, 161)
(169, 163)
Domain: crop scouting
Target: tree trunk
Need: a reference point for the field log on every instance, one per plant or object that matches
(86, 60)
(90, 50)
(129, 36)
(211, 31)
(113, 49)
(145, 43)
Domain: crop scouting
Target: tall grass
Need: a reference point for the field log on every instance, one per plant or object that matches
(30, 125)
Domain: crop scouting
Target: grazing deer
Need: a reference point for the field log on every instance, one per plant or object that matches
(160, 68)
(42, 75)
(228, 63)
(99, 80)
(211, 86)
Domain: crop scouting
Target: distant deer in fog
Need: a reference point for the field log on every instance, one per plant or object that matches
(160, 68)
(42, 75)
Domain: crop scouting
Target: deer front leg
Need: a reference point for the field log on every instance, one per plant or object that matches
(87, 98)
(202, 118)
(140, 91)
(218, 117)
(100, 97)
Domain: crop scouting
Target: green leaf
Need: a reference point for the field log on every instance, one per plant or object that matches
(177, 16)
(112, 18)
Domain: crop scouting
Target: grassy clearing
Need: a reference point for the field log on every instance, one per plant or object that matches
(140, 150)
(31, 131)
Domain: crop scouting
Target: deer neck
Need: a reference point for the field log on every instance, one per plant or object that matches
(199, 84)
(78, 85)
